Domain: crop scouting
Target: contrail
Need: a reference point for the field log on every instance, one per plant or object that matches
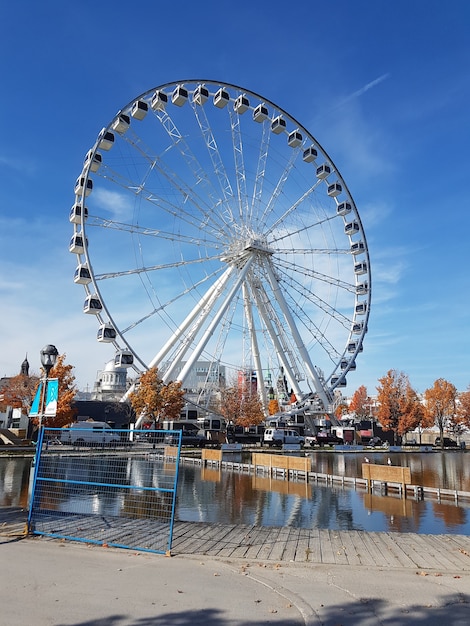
(359, 92)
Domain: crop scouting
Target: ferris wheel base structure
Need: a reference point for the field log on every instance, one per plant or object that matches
(210, 226)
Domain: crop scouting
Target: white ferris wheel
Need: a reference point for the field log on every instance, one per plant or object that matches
(211, 227)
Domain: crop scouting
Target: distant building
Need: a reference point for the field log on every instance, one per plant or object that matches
(111, 383)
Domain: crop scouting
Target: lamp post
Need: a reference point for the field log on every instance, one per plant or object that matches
(49, 356)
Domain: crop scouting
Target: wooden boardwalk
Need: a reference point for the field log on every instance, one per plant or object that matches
(436, 553)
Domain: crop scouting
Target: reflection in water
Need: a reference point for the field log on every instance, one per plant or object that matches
(206, 494)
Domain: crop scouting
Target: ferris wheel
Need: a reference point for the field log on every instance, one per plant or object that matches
(213, 236)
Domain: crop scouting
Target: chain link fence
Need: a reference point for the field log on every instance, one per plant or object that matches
(110, 487)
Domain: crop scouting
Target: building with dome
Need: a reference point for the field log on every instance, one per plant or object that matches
(111, 383)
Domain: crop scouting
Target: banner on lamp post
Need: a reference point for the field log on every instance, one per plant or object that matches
(34, 410)
(52, 393)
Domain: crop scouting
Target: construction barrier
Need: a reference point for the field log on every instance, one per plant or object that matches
(104, 486)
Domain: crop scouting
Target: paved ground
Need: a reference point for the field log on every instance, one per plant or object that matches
(50, 582)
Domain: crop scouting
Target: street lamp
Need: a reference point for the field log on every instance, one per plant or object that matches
(49, 356)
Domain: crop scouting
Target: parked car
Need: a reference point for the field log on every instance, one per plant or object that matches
(323, 438)
(91, 434)
(279, 436)
(448, 442)
(189, 438)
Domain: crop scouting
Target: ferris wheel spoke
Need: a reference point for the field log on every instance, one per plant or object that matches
(197, 239)
(271, 203)
(140, 192)
(167, 303)
(240, 172)
(304, 228)
(293, 267)
(260, 172)
(154, 268)
(294, 206)
(187, 192)
(215, 157)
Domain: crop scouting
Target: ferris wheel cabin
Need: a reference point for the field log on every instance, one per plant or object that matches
(241, 104)
(349, 365)
(362, 289)
(93, 160)
(358, 247)
(310, 154)
(334, 190)
(82, 275)
(81, 186)
(106, 140)
(221, 98)
(278, 125)
(294, 139)
(179, 96)
(159, 101)
(139, 110)
(76, 214)
(201, 95)
(121, 123)
(92, 305)
(323, 171)
(106, 333)
(351, 228)
(343, 208)
(260, 113)
(123, 358)
(76, 244)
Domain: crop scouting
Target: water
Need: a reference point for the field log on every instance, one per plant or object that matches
(209, 495)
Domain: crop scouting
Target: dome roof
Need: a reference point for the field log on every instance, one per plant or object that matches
(111, 367)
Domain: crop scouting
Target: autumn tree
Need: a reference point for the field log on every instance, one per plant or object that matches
(413, 414)
(155, 400)
(390, 397)
(19, 392)
(241, 408)
(66, 412)
(463, 409)
(273, 407)
(440, 405)
(360, 403)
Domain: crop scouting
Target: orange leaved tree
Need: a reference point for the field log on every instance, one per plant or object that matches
(241, 408)
(155, 400)
(440, 402)
(463, 408)
(360, 403)
(394, 395)
(19, 392)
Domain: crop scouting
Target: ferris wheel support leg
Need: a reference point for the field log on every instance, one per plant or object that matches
(173, 340)
(254, 347)
(322, 392)
(210, 329)
(277, 344)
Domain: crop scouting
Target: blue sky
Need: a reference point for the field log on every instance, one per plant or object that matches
(384, 87)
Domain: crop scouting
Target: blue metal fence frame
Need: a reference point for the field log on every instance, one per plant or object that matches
(149, 446)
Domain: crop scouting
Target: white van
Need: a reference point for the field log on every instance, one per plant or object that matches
(279, 436)
(90, 433)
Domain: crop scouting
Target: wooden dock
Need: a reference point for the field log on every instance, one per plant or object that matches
(436, 553)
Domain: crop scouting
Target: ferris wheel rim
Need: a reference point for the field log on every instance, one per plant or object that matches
(106, 316)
